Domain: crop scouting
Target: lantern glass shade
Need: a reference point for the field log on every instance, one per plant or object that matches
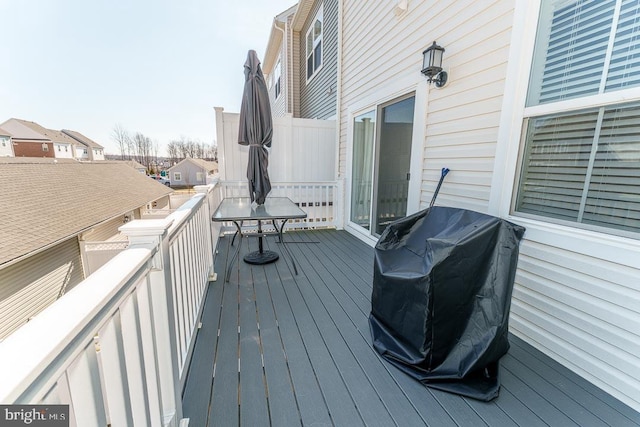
(432, 60)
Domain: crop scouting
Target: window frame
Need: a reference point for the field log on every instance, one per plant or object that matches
(177, 176)
(277, 79)
(319, 16)
(603, 99)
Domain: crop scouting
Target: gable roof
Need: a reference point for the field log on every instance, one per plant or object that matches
(275, 39)
(53, 135)
(302, 13)
(47, 201)
(201, 163)
(82, 139)
(4, 132)
(20, 130)
(134, 164)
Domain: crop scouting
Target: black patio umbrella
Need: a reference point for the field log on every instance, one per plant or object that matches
(256, 128)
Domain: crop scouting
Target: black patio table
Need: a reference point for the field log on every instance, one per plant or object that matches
(274, 209)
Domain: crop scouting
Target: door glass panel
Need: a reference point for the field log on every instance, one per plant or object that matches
(361, 189)
(394, 160)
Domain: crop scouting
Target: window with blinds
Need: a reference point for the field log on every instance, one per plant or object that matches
(583, 165)
(579, 54)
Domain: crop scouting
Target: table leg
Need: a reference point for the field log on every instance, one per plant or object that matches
(235, 253)
(284, 246)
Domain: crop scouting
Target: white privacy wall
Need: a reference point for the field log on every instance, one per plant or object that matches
(302, 150)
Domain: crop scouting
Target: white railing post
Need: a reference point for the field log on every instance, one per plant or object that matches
(339, 204)
(152, 233)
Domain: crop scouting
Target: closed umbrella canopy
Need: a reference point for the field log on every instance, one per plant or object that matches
(256, 128)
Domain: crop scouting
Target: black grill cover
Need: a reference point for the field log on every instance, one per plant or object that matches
(442, 287)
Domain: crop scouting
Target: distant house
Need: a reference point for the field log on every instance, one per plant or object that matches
(87, 149)
(301, 60)
(190, 172)
(6, 145)
(63, 145)
(26, 141)
(50, 211)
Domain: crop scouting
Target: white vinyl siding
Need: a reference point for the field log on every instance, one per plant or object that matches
(462, 118)
(29, 286)
(582, 166)
(576, 294)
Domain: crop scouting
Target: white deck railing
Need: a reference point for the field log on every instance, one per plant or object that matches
(116, 347)
(320, 200)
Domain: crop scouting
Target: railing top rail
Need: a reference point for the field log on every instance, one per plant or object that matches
(37, 353)
(187, 210)
(276, 183)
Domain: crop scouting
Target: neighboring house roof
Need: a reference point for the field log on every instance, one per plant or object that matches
(50, 200)
(204, 164)
(82, 139)
(134, 164)
(20, 130)
(4, 132)
(53, 135)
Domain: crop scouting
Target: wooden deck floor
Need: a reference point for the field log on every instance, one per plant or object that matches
(286, 350)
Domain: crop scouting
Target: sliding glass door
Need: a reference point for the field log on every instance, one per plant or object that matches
(381, 164)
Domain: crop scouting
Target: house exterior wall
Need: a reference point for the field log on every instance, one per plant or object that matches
(33, 149)
(63, 151)
(279, 104)
(6, 147)
(318, 94)
(189, 175)
(97, 154)
(82, 152)
(29, 286)
(576, 294)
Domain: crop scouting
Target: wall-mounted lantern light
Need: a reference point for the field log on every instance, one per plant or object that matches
(432, 65)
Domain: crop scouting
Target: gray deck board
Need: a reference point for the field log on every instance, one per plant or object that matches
(303, 348)
(253, 393)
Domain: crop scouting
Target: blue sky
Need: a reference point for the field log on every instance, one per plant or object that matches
(156, 67)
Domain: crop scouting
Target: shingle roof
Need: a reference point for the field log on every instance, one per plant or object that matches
(81, 138)
(19, 130)
(45, 200)
(53, 135)
(204, 164)
(5, 132)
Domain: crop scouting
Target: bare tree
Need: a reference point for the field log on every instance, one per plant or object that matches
(142, 148)
(121, 136)
(173, 150)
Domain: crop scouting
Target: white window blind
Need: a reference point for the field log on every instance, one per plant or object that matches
(613, 197)
(571, 49)
(624, 68)
(577, 50)
(584, 167)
